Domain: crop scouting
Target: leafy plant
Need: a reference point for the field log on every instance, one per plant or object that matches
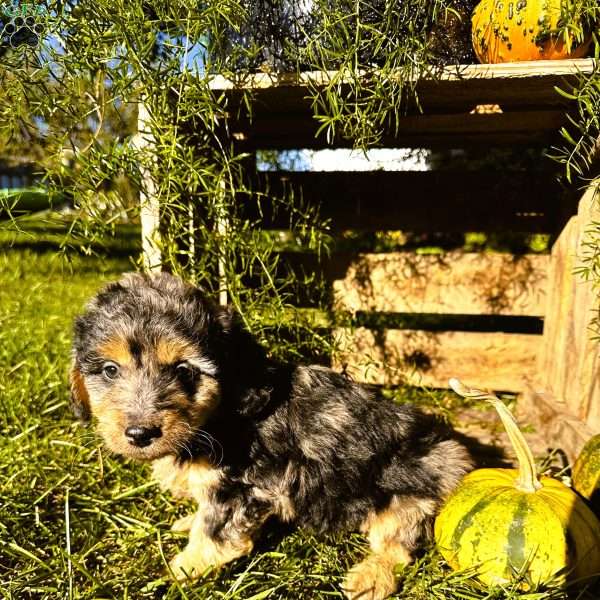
(71, 105)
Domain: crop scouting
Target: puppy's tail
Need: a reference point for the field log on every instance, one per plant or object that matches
(449, 461)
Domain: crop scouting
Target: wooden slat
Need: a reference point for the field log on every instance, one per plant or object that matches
(570, 362)
(299, 130)
(450, 283)
(430, 201)
(508, 84)
(500, 361)
(283, 111)
(519, 84)
(535, 69)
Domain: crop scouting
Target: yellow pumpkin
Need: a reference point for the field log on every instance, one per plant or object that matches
(586, 473)
(504, 522)
(515, 30)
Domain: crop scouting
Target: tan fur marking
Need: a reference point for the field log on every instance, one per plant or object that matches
(116, 349)
(170, 351)
(190, 479)
(371, 579)
(183, 524)
(177, 428)
(402, 520)
(195, 479)
(111, 424)
(79, 393)
(208, 393)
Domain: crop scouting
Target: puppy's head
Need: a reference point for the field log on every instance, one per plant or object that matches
(146, 364)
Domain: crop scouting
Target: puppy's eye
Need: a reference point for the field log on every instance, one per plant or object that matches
(110, 370)
(187, 375)
(184, 369)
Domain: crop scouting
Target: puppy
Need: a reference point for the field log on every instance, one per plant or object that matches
(173, 379)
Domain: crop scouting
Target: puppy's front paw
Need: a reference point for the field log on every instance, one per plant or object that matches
(184, 524)
(187, 566)
(371, 579)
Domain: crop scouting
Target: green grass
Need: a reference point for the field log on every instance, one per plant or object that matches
(78, 523)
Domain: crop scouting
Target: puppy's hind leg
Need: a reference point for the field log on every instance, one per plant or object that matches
(393, 534)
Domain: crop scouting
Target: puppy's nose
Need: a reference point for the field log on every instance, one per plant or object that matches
(142, 436)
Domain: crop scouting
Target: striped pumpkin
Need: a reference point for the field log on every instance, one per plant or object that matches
(516, 30)
(586, 473)
(504, 522)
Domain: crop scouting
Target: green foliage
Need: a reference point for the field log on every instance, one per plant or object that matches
(379, 50)
(581, 146)
(71, 104)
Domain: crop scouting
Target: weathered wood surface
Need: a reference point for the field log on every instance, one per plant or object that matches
(550, 415)
(500, 71)
(429, 201)
(488, 441)
(569, 365)
(500, 361)
(283, 111)
(450, 283)
(508, 84)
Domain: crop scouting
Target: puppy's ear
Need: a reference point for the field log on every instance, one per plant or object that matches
(226, 318)
(239, 344)
(244, 363)
(80, 400)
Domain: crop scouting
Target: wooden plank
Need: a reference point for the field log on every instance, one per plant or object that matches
(501, 71)
(500, 361)
(299, 130)
(457, 87)
(548, 414)
(519, 84)
(569, 365)
(449, 283)
(448, 201)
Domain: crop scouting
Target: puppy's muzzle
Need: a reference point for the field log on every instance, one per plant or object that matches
(142, 436)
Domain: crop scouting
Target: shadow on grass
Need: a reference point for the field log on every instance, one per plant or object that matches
(54, 235)
(45, 246)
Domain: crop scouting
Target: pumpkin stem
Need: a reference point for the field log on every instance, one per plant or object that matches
(527, 480)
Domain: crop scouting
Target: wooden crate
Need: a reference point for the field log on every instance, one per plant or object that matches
(455, 283)
(564, 395)
(489, 307)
